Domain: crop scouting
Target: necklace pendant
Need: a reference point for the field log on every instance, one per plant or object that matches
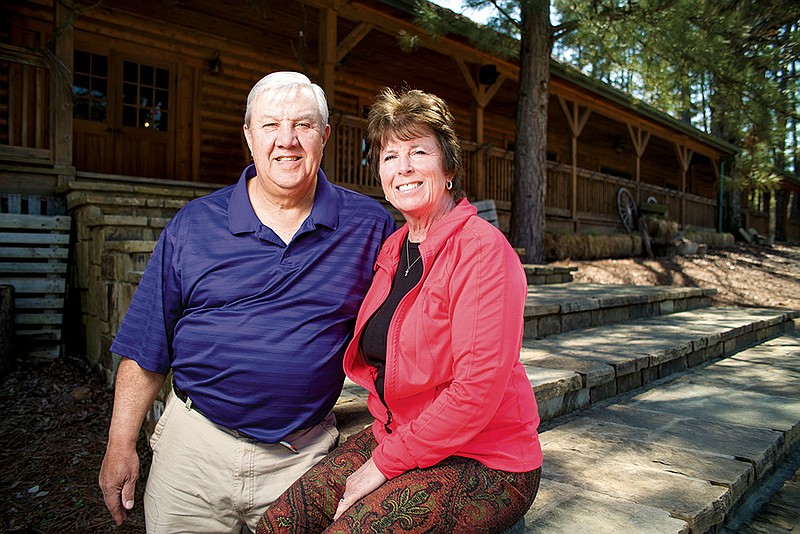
(406, 273)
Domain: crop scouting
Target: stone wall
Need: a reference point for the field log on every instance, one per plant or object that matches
(116, 223)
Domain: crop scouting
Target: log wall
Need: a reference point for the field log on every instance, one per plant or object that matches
(207, 144)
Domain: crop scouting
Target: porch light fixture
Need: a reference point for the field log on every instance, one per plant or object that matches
(487, 74)
(215, 65)
(618, 145)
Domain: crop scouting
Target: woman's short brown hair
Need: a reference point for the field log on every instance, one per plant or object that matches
(406, 115)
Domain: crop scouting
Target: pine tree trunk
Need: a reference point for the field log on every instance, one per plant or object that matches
(732, 193)
(530, 168)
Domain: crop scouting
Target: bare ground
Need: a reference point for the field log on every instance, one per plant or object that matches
(53, 435)
(56, 414)
(744, 275)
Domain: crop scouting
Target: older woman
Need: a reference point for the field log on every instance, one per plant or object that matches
(454, 445)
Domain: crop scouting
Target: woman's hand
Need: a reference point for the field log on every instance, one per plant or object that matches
(361, 483)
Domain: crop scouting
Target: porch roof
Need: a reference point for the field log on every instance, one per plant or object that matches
(599, 88)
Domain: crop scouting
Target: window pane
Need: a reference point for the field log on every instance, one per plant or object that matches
(162, 99)
(129, 93)
(80, 84)
(99, 88)
(130, 72)
(90, 86)
(81, 61)
(145, 96)
(145, 119)
(145, 75)
(162, 78)
(129, 116)
(100, 65)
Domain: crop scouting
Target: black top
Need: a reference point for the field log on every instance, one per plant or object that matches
(376, 330)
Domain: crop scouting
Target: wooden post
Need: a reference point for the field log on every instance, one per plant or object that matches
(639, 138)
(481, 96)
(327, 53)
(327, 77)
(480, 192)
(684, 155)
(576, 122)
(331, 53)
(61, 117)
(715, 166)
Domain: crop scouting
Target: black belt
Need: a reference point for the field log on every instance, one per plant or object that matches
(185, 398)
(190, 405)
(180, 394)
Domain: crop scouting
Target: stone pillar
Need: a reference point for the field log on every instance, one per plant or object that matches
(117, 223)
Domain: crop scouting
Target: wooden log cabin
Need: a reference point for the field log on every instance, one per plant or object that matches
(159, 90)
(117, 112)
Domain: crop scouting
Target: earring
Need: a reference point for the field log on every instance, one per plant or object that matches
(449, 184)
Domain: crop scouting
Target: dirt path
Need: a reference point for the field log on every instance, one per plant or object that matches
(745, 275)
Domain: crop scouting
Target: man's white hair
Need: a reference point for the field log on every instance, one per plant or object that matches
(288, 84)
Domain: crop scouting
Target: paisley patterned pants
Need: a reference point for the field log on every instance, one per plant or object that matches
(454, 496)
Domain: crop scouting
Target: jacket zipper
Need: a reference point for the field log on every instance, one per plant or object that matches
(386, 425)
(388, 422)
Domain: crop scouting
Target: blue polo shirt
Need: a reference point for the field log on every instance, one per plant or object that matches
(253, 329)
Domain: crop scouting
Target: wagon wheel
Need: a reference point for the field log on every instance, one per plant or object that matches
(626, 208)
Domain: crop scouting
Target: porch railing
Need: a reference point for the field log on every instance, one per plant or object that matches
(347, 157)
(32, 109)
(489, 173)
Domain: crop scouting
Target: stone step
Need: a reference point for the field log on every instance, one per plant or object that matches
(547, 274)
(557, 308)
(680, 456)
(570, 371)
(574, 370)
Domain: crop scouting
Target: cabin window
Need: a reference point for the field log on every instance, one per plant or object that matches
(90, 86)
(145, 96)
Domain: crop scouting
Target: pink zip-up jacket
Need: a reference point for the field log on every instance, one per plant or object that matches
(454, 384)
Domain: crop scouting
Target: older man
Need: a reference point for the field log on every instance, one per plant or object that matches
(249, 299)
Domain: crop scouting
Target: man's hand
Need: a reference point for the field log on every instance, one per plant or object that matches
(135, 391)
(361, 483)
(117, 479)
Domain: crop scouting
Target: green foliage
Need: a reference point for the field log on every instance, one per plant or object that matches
(498, 37)
(726, 67)
(755, 169)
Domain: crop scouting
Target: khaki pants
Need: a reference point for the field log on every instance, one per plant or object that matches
(205, 479)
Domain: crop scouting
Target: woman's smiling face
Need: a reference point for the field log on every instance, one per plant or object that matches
(413, 176)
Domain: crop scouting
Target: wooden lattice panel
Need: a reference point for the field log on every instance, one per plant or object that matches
(33, 259)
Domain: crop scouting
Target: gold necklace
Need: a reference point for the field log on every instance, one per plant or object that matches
(408, 259)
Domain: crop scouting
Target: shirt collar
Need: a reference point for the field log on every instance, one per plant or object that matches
(242, 218)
